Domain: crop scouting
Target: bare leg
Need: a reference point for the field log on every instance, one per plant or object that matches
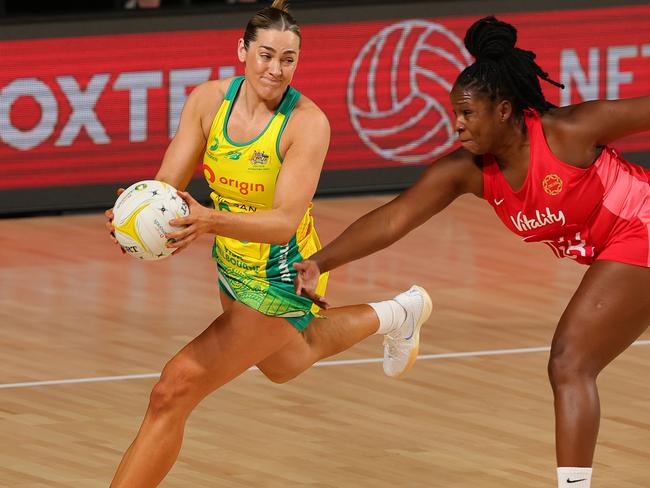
(235, 341)
(609, 311)
(343, 328)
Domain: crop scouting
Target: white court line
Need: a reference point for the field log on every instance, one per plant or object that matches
(342, 362)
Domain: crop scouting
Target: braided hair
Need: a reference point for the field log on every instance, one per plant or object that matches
(501, 70)
(276, 16)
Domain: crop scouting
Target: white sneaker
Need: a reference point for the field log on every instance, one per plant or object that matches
(401, 346)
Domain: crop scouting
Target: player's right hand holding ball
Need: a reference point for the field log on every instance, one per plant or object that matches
(109, 222)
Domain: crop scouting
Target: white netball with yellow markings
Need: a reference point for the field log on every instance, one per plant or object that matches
(141, 218)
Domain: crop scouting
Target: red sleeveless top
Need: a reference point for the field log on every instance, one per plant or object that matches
(601, 212)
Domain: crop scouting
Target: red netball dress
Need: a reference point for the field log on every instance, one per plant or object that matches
(601, 212)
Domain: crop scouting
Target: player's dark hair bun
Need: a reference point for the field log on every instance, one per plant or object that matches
(490, 38)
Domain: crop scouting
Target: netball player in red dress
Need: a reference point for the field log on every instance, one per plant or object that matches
(551, 177)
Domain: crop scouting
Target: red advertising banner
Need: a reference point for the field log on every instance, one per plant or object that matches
(102, 109)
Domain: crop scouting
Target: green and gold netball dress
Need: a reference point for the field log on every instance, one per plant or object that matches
(242, 178)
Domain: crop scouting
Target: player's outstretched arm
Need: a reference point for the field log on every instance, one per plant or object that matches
(600, 122)
(445, 180)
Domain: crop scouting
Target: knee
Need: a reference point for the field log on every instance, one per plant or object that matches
(286, 365)
(285, 368)
(281, 376)
(567, 365)
(177, 387)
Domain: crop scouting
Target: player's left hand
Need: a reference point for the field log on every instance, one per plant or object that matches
(200, 221)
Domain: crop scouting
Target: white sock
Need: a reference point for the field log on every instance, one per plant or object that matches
(391, 315)
(573, 477)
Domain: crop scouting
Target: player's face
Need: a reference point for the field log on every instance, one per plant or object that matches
(270, 61)
(477, 121)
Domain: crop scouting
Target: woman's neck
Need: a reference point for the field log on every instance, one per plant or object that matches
(514, 148)
(253, 105)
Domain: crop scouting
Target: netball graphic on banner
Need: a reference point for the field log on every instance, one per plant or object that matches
(107, 109)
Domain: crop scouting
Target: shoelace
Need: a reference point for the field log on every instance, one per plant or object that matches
(392, 346)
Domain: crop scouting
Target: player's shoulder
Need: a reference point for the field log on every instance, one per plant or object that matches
(206, 98)
(465, 168)
(560, 120)
(462, 160)
(211, 92)
(308, 116)
(558, 117)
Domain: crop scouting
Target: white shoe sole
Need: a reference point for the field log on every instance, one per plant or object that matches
(426, 312)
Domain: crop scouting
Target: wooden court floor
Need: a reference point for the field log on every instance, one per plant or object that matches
(476, 411)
